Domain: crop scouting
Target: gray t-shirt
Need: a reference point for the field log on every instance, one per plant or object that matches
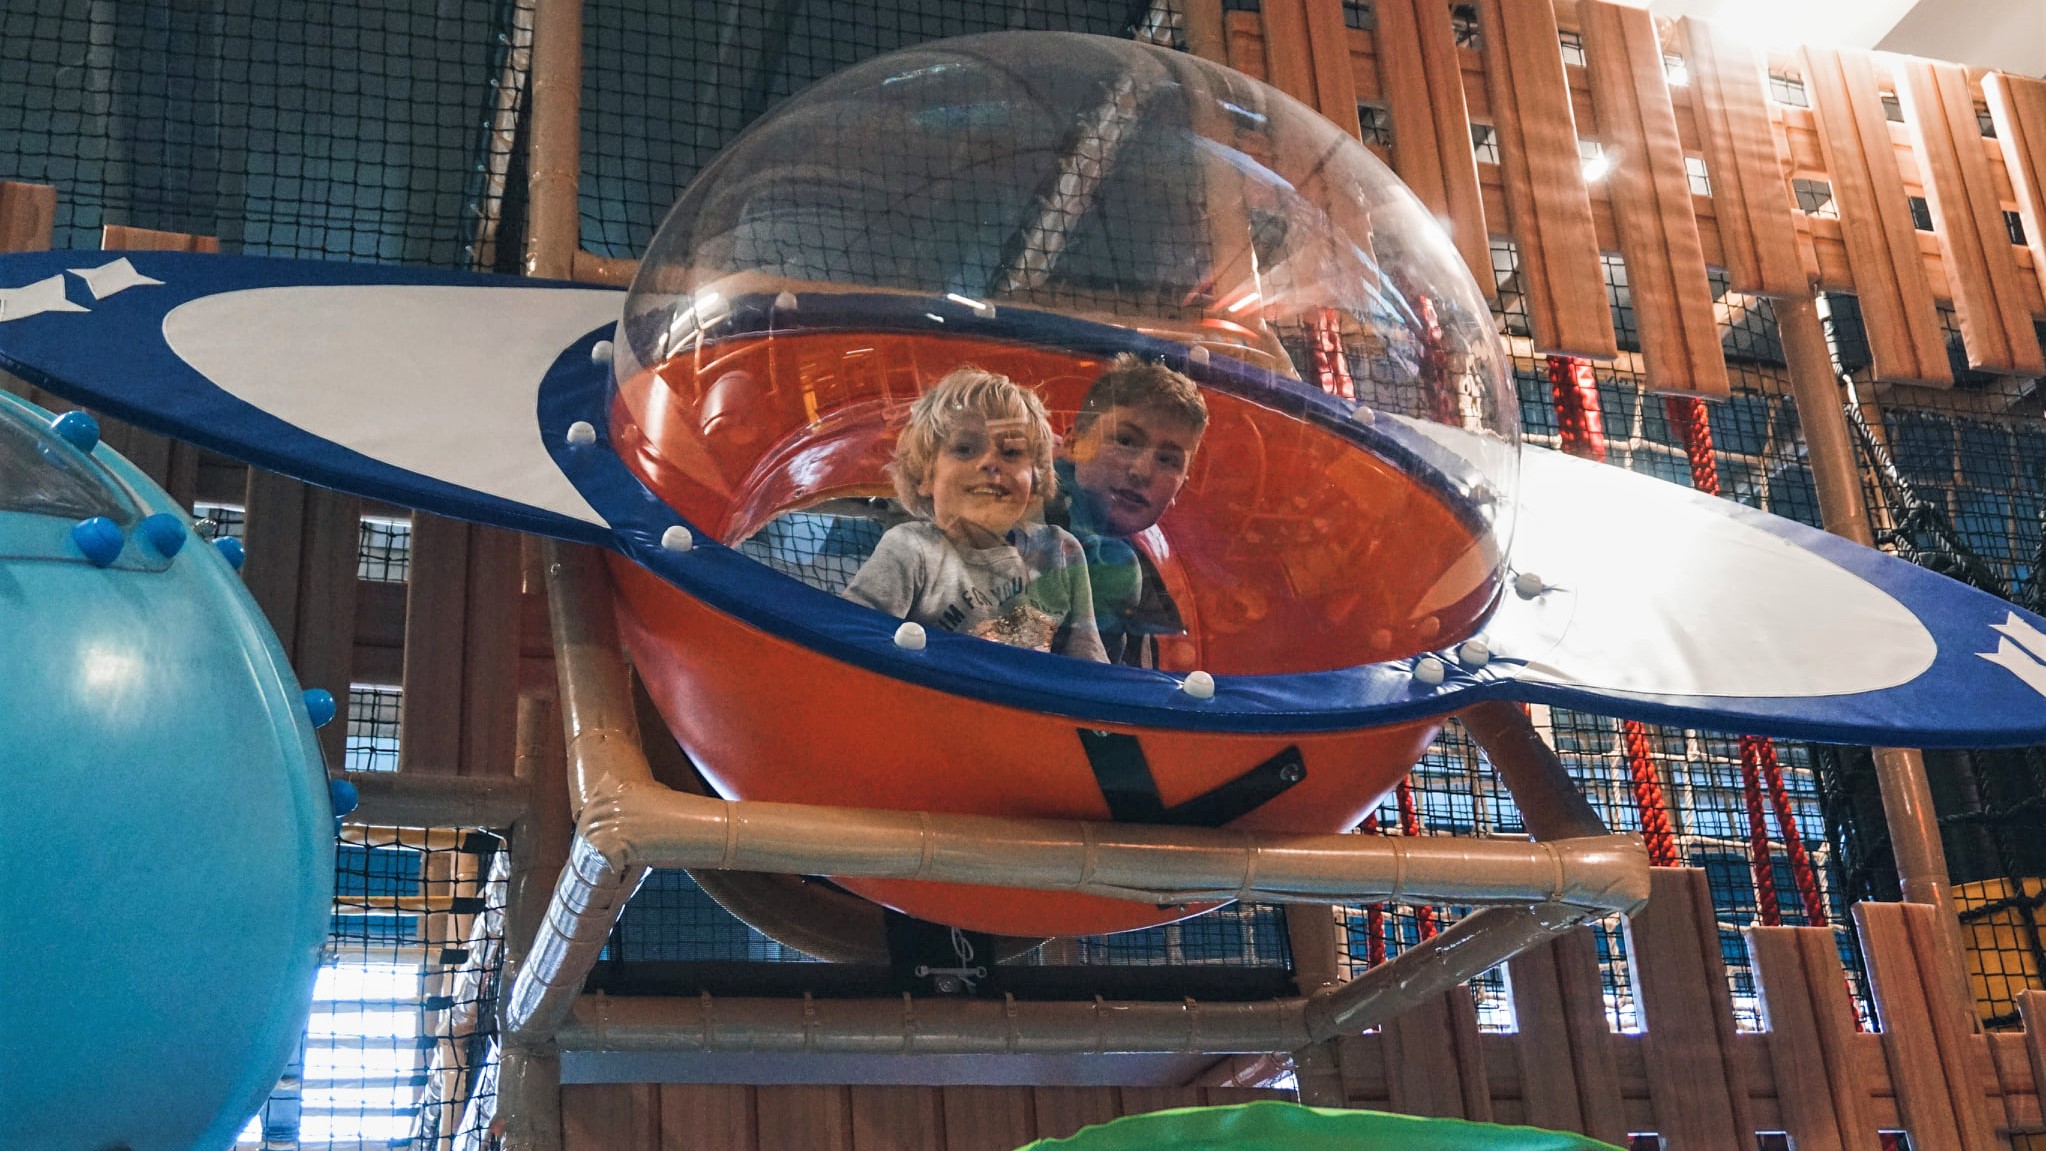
(1030, 592)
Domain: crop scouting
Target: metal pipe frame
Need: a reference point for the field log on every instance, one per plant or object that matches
(627, 822)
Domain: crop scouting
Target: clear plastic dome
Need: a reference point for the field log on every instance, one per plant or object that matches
(1034, 205)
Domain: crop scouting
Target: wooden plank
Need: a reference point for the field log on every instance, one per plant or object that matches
(1963, 1055)
(1698, 1104)
(1361, 1065)
(707, 1117)
(1469, 1051)
(1422, 78)
(1853, 1059)
(1751, 199)
(120, 238)
(2017, 106)
(1651, 196)
(490, 653)
(435, 627)
(324, 651)
(274, 540)
(610, 1117)
(1990, 298)
(1202, 20)
(1547, 205)
(1904, 337)
(1289, 59)
(1328, 43)
(897, 1119)
(1548, 1084)
(2032, 1011)
(1909, 1045)
(1244, 36)
(1422, 1075)
(1592, 1043)
(803, 1116)
(28, 216)
(1060, 1111)
(988, 1118)
(1803, 1091)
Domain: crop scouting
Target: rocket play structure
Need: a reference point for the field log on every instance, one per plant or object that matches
(1362, 547)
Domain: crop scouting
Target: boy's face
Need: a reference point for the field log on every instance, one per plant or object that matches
(981, 481)
(1133, 460)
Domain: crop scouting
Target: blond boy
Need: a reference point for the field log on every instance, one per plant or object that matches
(973, 461)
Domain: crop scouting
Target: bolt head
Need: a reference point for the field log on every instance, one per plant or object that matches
(601, 352)
(582, 433)
(1198, 685)
(677, 539)
(1528, 585)
(1430, 671)
(1474, 653)
(910, 636)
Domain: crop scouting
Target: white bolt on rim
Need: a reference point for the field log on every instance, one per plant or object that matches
(677, 539)
(582, 433)
(910, 636)
(1198, 685)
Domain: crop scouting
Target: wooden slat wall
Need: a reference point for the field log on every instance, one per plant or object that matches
(1752, 146)
(1651, 197)
(1547, 205)
(461, 649)
(1995, 321)
(1697, 1082)
(2017, 106)
(705, 1117)
(1421, 78)
(1751, 200)
(28, 212)
(1897, 307)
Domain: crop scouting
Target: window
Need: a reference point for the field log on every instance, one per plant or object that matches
(1788, 88)
(1694, 170)
(2015, 225)
(1485, 143)
(1573, 47)
(1675, 70)
(1985, 121)
(1463, 20)
(372, 728)
(1375, 121)
(229, 520)
(1815, 198)
(384, 549)
(1359, 15)
(1921, 214)
(1893, 109)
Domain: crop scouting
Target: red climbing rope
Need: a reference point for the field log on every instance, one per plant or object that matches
(1331, 366)
(1581, 427)
(1410, 824)
(1687, 415)
(1760, 861)
(1374, 915)
(1801, 871)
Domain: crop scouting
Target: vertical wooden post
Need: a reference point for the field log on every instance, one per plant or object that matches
(554, 155)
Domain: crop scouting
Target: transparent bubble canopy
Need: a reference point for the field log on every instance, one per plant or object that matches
(1034, 204)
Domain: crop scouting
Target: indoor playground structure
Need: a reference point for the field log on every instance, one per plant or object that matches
(1414, 802)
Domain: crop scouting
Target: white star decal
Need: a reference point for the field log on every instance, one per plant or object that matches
(35, 299)
(108, 279)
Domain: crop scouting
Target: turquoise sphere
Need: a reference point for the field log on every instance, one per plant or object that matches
(166, 837)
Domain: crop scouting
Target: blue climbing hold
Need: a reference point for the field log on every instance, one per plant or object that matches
(165, 532)
(345, 797)
(78, 429)
(231, 550)
(99, 538)
(319, 706)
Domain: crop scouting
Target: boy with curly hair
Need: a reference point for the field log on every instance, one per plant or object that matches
(973, 461)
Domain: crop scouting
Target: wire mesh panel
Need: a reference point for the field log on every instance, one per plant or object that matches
(667, 86)
(340, 131)
(403, 1019)
(1955, 481)
(373, 712)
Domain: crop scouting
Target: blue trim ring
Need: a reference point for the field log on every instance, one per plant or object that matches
(575, 389)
